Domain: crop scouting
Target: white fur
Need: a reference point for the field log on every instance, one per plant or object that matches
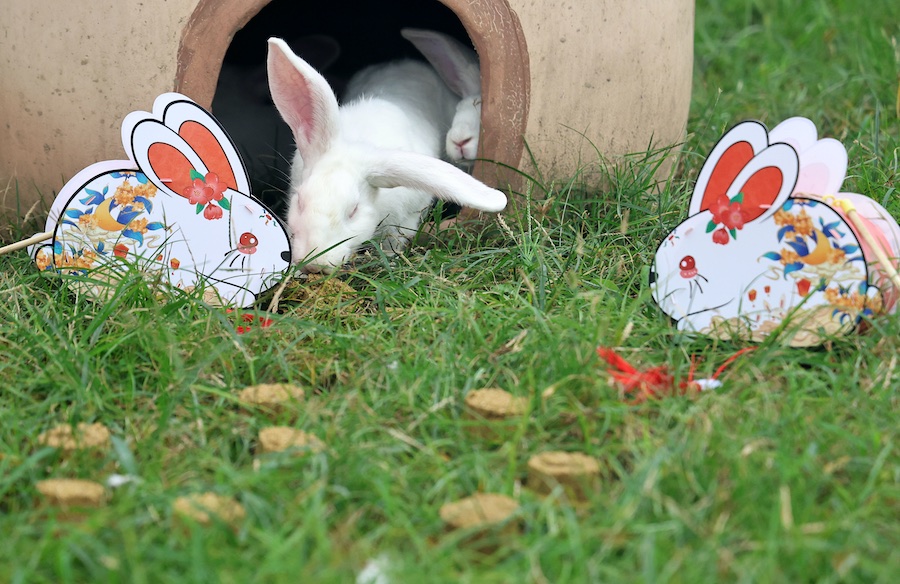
(458, 66)
(368, 169)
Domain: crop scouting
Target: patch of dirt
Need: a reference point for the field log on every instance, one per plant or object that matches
(81, 437)
(66, 493)
(479, 510)
(281, 438)
(488, 517)
(273, 398)
(493, 413)
(578, 474)
(317, 294)
(495, 404)
(204, 508)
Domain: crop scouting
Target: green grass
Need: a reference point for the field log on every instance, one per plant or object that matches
(789, 473)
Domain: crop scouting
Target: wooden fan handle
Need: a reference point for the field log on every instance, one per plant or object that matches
(26, 242)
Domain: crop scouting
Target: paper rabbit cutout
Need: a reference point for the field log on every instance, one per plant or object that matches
(765, 246)
(180, 210)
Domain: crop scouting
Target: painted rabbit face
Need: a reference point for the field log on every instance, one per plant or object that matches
(697, 270)
(691, 277)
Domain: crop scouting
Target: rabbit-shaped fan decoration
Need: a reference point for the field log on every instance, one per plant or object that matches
(180, 211)
(768, 245)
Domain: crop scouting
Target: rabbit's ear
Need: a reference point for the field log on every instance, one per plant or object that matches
(766, 181)
(823, 163)
(456, 63)
(165, 157)
(823, 168)
(395, 168)
(208, 139)
(733, 152)
(178, 137)
(798, 133)
(304, 99)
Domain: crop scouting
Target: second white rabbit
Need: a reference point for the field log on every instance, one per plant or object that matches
(459, 67)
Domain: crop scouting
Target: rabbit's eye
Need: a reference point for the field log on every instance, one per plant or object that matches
(249, 240)
(247, 243)
(687, 263)
(353, 212)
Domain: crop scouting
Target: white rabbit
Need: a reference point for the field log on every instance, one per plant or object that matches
(458, 66)
(762, 243)
(369, 168)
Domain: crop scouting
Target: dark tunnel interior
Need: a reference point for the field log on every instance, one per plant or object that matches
(338, 39)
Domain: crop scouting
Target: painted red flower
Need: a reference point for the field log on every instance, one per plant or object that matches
(720, 236)
(217, 187)
(719, 208)
(198, 193)
(212, 212)
(734, 218)
(728, 213)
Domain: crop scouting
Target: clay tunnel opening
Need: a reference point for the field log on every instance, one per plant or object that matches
(340, 39)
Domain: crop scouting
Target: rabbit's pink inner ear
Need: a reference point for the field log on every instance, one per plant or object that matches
(730, 164)
(304, 99)
(813, 179)
(210, 151)
(760, 191)
(171, 166)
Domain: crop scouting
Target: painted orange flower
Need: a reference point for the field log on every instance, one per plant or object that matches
(87, 220)
(124, 194)
(139, 225)
(789, 256)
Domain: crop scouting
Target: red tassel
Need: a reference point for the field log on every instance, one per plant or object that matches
(655, 382)
(643, 384)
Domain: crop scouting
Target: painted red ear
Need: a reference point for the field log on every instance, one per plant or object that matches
(760, 191)
(210, 151)
(171, 166)
(729, 165)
